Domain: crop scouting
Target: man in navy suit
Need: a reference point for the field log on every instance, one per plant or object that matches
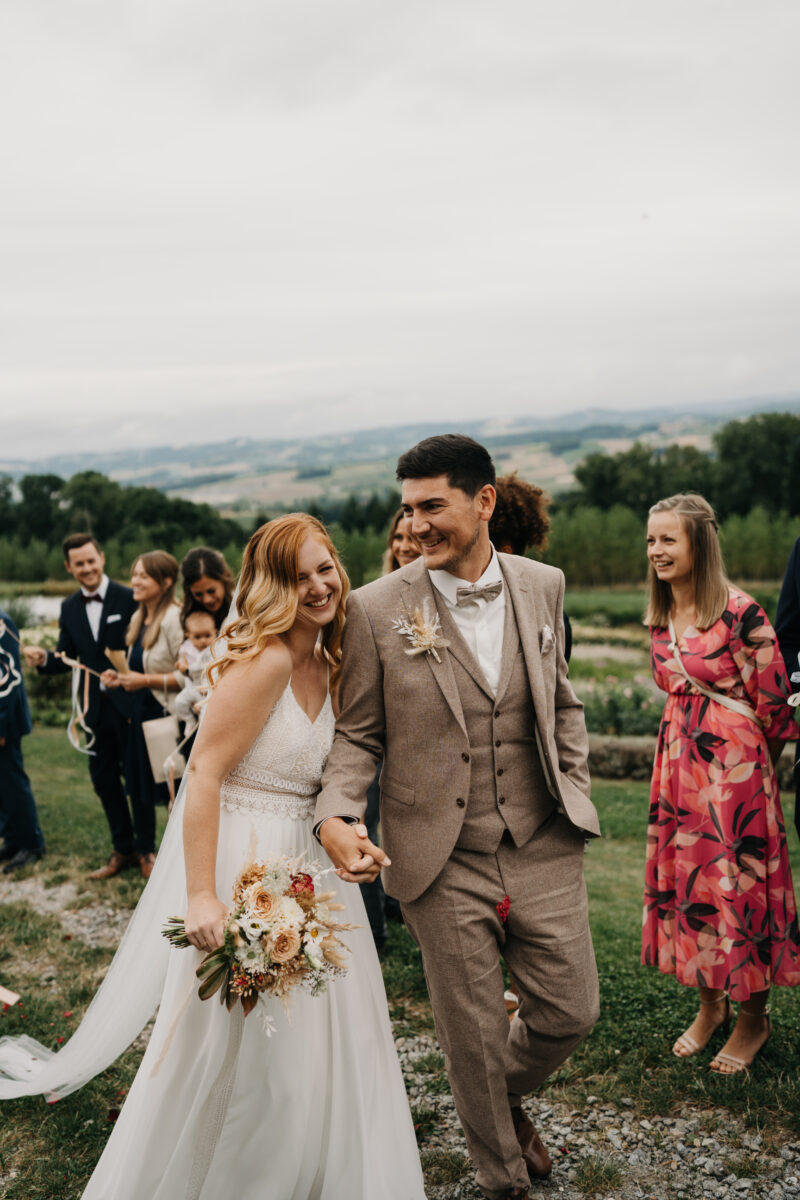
(23, 842)
(787, 627)
(92, 620)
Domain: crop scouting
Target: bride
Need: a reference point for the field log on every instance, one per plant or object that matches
(318, 1110)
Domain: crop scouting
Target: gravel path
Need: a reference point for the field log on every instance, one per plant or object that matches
(609, 1152)
(602, 1150)
(95, 924)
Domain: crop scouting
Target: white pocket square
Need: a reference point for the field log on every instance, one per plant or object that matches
(547, 640)
(113, 617)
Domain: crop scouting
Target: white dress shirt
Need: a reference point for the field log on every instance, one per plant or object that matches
(480, 622)
(95, 611)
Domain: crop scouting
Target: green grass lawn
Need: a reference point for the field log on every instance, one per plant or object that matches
(53, 1148)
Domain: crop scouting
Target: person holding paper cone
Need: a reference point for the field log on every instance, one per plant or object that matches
(92, 621)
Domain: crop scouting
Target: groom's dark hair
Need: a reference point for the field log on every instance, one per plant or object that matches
(466, 463)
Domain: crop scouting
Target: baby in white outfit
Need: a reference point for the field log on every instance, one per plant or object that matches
(194, 656)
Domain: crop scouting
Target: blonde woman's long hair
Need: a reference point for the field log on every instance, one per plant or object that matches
(164, 569)
(711, 584)
(267, 599)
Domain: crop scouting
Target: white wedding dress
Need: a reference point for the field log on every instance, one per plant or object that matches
(317, 1111)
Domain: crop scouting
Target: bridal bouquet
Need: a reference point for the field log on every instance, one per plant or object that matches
(280, 934)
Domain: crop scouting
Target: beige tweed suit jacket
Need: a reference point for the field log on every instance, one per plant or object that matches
(407, 711)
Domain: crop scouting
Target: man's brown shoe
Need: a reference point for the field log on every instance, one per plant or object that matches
(146, 864)
(534, 1155)
(116, 863)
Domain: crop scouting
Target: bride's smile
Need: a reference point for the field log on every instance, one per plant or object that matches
(319, 588)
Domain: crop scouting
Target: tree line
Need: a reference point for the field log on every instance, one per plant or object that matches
(751, 476)
(754, 463)
(128, 520)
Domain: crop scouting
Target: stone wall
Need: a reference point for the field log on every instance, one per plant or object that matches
(632, 758)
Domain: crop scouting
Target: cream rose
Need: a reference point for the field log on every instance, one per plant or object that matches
(261, 903)
(284, 945)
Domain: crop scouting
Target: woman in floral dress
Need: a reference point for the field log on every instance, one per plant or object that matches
(719, 909)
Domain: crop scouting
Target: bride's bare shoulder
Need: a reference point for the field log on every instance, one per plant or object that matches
(271, 666)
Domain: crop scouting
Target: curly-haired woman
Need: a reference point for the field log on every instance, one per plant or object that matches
(521, 522)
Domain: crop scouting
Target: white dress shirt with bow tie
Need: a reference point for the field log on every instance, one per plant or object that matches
(480, 622)
(94, 611)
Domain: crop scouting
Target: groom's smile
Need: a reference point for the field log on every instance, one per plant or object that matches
(448, 523)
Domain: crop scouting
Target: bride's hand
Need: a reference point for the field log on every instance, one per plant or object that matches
(205, 921)
(352, 853)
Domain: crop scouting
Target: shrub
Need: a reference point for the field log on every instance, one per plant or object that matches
(614, 709)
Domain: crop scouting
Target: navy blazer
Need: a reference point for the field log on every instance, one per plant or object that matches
(76, 641)
(787, 619)
(15, 715)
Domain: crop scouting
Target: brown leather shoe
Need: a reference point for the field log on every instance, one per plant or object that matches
(116, 863)
(534, 1155)
(146, 864)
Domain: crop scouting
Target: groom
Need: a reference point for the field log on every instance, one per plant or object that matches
(454, 674)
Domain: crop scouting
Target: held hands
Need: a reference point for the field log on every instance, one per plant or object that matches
(131, 681)
(34, 655)
(205, 921)
(353, 855)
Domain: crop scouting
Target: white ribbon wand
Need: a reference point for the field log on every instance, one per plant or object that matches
(79, 712)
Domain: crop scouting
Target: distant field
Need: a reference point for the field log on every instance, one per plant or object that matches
(331, 469)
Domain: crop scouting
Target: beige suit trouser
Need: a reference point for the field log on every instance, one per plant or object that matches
(546, 943)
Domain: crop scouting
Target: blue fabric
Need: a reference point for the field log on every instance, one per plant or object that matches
(19, 822)
(15, 715)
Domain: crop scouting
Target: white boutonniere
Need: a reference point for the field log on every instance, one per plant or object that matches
(423, 631)
(548, 639)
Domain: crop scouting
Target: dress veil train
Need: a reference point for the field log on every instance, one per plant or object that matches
(127, 997)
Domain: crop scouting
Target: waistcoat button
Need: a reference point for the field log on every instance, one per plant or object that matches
(465, 756)
(497, 714)
(498, 742)
(461, 803)
(499, 770)
(502, 800)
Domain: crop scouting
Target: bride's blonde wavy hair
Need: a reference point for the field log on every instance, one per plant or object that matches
(267, 599)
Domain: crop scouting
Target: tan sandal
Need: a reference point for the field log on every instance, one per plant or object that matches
(738, 1065)
(687, 1047)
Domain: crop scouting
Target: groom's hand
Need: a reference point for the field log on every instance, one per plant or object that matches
(353, 855)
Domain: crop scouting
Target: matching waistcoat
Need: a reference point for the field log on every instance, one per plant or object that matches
(507, 784)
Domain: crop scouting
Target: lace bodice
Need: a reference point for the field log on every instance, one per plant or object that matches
(281, 771)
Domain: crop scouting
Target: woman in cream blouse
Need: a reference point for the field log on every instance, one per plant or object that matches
(154, 637)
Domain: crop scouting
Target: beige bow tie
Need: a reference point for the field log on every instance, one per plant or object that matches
(489, 591)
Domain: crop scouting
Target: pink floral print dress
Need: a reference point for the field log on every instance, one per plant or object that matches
(719, 909)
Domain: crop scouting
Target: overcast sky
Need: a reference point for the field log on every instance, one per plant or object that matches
(264, 218)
